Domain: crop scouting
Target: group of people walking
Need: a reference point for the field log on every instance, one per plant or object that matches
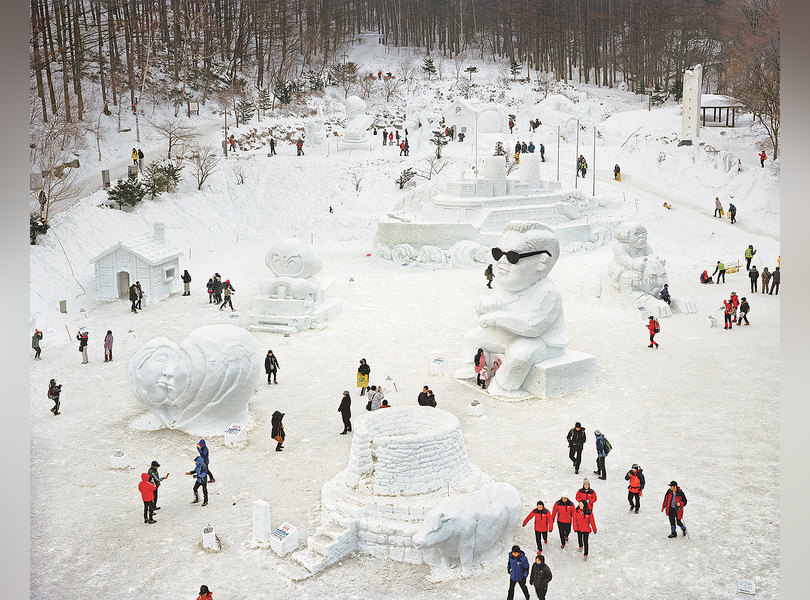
(217, 288)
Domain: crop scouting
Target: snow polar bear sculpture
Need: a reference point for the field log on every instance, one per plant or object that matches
(522, 319)
(202, 385)
(469, 532)
(639, 273)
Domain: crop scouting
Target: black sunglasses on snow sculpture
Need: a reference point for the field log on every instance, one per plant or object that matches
(513, 257)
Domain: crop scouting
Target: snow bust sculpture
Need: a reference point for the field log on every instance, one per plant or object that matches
(202, 385)
(522, 318)
(292, 300)
(641, 274)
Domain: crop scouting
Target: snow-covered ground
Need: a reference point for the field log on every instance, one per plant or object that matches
(703, 409)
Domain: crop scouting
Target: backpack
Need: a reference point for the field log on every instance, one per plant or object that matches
(656, 326)
(606, 446)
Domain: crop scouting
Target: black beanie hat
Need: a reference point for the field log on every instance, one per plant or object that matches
(577, 424)
(515, 548)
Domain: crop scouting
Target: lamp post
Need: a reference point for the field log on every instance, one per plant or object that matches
(576, 175)
(558, 152)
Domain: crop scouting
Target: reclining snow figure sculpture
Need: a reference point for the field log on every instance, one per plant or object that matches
(292, 300)
(469, 532)
(522, 318)
(202, 385)
(639, 273)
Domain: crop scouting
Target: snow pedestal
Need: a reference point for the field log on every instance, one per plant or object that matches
(403, 463)
(119, 460)
(475, 409)
(562, 375)
(284, 539)
(210, 540)
(236, 435)
(438, 366)
(261, 521)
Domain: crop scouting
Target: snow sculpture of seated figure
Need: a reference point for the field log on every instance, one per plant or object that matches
(202, 385)
(638, 272)
(293, 265)
(522, 318)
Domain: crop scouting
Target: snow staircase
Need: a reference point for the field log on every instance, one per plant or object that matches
(330, 543)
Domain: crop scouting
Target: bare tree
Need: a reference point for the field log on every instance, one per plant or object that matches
(391, 85)
(406, 72)
(458, 63)
(203, 163)
(175, 133)
(357, 178)
(433, 166)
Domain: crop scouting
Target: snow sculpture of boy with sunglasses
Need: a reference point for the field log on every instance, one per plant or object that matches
(521, 320)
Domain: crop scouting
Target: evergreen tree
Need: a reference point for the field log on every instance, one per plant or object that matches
(428, 67)
(172, 172)
(127, 192)
(245, 109)
(471, 70)
(515, 69)
(265, 100)
(500, 150)
(405, 177)
(38, 226)
(154, 179)
(439, 140)
(315, 81)
(282, 90)
(677, 89)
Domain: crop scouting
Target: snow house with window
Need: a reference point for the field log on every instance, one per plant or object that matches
(147, 259)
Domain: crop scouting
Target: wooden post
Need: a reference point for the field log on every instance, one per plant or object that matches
(576, 174)
(733, 113)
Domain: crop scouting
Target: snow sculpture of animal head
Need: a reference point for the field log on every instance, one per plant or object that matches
(632, 233)
(653, 276)
(291, 258)
(525, 237)
(202, 385)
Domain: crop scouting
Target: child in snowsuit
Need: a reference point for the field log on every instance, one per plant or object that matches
(518, 569)
(674, 501)
(636, 486)
(563, 513)
(652, 325)
(54, 390)
(210, 287)
(584, 524)
(542, 524)
(540, 576)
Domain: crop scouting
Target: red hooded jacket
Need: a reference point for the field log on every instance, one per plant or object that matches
(680, 502)
(542, 519)
(729, 306)
(146, 489)
(588, 496)
(584, 522)
(562, 513)
(651, 325)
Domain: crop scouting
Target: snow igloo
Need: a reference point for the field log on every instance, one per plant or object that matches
(408, 476)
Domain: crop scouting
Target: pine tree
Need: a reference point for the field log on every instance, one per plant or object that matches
(127, 192)
(265, 100)
(38, 226)
(677, 89)
(405, 177)
(245, 109)
(499, 149)
(154, 179)
(515, 69)
(440, 140)
(471, 70)
(282, 90)
(172, 172)
(315, 81)
(428, 67)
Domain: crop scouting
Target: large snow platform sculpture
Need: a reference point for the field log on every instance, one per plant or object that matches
(293, 300)
(521, 321)
(357, 133)
(201, 386)
(639, 275)
(411, 494)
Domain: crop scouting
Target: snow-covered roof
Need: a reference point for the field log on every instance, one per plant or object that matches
(718, 101)
(150, 250)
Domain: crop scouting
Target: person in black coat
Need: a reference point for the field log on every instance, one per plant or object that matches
(744, 308)
(363, 369)
(423, 396)
(540, 576)
(754, 275)
(217, 288)
(271, 366)
(272, 147)
(133, 297)
(186, 283)
(576, 440)
(277, 432)
(775, 277)
(345, 410)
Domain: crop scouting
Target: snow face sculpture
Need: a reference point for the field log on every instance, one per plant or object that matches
(293, 300)
(522, 319)
(410, 493)
(464, 531)
(202, 385)
(639, 273)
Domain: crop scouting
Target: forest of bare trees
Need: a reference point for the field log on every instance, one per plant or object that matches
(174, 50)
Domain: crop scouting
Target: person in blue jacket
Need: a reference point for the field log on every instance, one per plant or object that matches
(665, 294)
(203, 450)
(200, 480)
(518, 569)
(601, 453)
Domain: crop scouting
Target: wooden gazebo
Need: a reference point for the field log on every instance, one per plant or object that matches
(717, 103)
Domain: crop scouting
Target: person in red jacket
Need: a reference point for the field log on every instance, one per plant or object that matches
(651, 325)
(762, 157)
(542, 524)
(583, 525)
(674, 501)
(205, 594)
(729, 310)
(636, 486)
(586, 493)
(147, 491)
(735, 302)
(563, 513)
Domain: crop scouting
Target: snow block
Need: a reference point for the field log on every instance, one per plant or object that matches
(562, 375)
(261, 521)
(284, 539)
(236, 435)
(119, 460)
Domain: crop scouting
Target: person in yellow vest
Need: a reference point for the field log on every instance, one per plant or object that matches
(749, 254)
(134, 157)
(720, 269)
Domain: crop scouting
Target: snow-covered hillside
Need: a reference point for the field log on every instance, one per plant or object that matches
(703, 409)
